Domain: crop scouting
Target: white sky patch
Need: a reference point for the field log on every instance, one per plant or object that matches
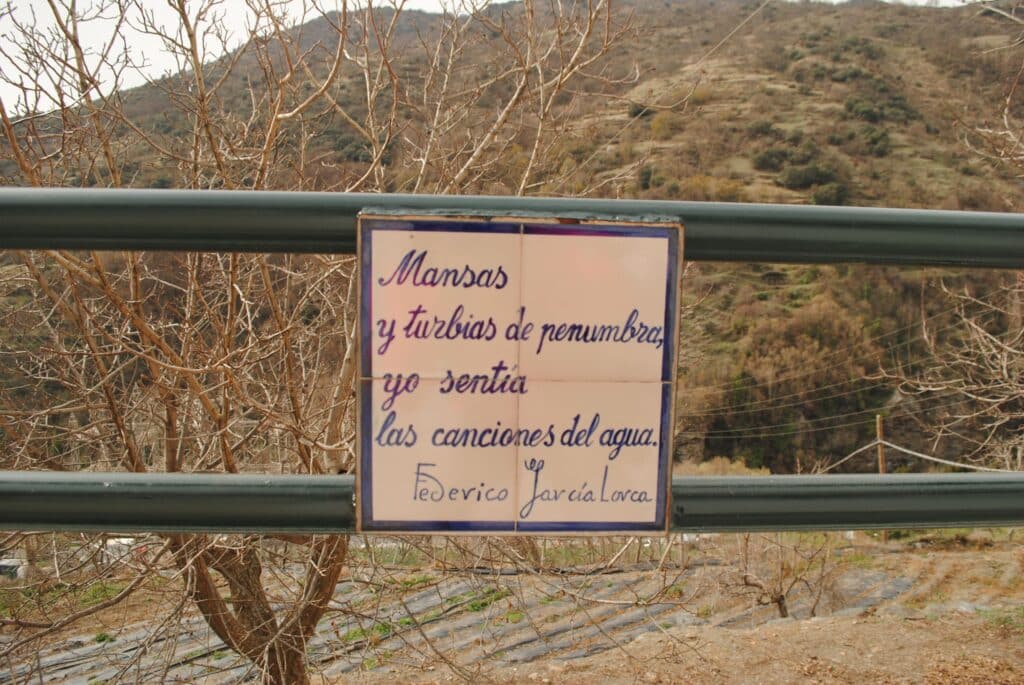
(147, 54)
(148, 57)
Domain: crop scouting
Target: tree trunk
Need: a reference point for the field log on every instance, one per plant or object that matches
(285, 662)
(248, 623)
(780, 602)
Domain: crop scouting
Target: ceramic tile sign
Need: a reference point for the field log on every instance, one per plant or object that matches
(516, 376)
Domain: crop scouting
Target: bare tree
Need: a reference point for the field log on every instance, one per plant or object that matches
(195, 363)
(1001, 137)
(772, 567)
(973, 374)
(236, 363)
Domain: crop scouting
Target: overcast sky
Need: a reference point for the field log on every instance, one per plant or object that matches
(147, 50)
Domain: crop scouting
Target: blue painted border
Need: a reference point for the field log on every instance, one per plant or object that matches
(439, 526)
(365, 299)
(366, 227)
(668, 365)
(365, 475)
(428, 225)
(639, 231)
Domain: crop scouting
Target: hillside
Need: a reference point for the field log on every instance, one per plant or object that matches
(847, 104)
(862, 103)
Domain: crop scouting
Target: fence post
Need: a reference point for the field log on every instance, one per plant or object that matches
(880, 436)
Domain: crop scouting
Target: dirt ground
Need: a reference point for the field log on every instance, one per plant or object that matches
(933, 633)
(956, 649)
(937, 608)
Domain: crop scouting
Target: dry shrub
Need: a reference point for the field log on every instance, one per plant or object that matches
(711, 188)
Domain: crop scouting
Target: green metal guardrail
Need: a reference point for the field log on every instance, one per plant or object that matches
(325, 222)
(132, 502)
(235, 221)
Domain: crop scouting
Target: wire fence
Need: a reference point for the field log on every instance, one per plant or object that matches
(917, 455)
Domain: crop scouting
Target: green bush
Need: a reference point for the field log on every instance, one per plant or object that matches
(638, 110)
(863, 47)
(804, 154)
(354, 148)
(644, 177)
(771, 159)
(831, 194)
(803, 176)
(876, 101)
(762, 128)
(837, 138)
(357, 152)
(876, 141)
(864, 109)
(847, 74)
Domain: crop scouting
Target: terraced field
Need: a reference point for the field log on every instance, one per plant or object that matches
(514, 624)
